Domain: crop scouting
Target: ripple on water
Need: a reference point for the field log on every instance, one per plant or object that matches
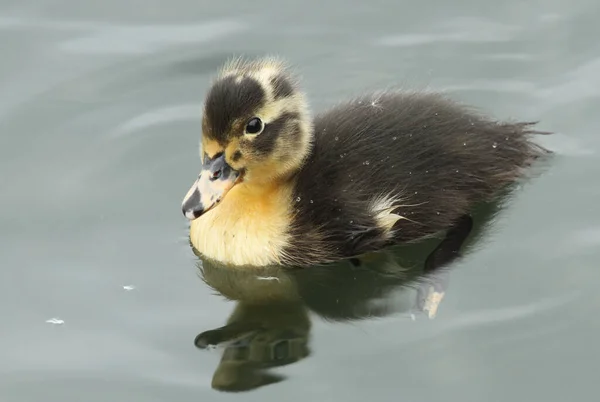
(150, 38)
(164, 115)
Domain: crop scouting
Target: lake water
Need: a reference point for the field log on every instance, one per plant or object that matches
(100, 294)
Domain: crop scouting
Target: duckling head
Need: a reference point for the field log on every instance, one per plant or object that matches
(256, 132)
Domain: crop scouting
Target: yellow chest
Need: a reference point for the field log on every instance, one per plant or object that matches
(247, 228)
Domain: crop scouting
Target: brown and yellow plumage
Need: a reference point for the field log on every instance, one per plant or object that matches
(278, 187)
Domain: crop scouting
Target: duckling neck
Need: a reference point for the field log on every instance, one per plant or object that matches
(249, 227)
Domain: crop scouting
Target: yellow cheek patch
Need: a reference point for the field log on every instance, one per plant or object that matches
(264, 171)
(232, 148)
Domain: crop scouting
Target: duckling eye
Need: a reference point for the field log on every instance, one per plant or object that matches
(254, 126)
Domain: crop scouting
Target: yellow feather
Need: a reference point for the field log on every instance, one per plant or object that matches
(249, 227)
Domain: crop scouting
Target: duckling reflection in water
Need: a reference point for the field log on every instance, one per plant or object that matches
(270, 325)
(391, 167)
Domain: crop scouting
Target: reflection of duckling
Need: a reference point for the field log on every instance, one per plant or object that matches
(277, 187)
(264, 336)
(270, 325)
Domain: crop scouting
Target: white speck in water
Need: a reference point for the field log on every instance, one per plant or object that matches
(298, 199)
(394, 138)
(416, 192)
(464, 143)
(268, 278)
(337, 138)
(128, 287)
(360, 102)
(438, 212)
(311, 201)
(366, 163)
(409, 172)
(506, 138)
(494, 145)
(351, 221)
(427, 171)
(55, 321)
(456, 170)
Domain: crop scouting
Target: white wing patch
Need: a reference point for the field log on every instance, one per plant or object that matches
(383, 209)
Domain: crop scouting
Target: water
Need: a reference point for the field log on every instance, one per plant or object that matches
(99, 122)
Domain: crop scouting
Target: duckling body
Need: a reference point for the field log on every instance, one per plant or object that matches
(396, 167)
(381, 169)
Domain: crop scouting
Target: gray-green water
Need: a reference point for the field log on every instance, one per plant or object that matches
(99, 126)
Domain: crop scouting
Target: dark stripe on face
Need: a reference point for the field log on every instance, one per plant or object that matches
(228, 100)
(294, 130)
(282, 88)
(236, 156)
(264, 143)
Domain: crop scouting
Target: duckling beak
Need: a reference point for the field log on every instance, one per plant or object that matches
(213, 183)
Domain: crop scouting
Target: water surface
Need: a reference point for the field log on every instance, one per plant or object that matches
(100, 122)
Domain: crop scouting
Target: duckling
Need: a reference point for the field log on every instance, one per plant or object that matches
(387, 167)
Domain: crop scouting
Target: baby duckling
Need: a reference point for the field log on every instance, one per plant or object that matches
(277, 187)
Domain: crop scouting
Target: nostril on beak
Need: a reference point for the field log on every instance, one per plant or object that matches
(216, 174)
